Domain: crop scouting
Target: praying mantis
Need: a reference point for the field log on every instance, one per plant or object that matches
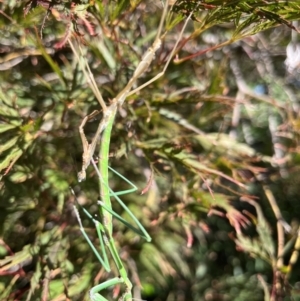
(104, 229)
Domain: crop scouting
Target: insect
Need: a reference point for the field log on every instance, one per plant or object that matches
(104, 228)
(104, 231)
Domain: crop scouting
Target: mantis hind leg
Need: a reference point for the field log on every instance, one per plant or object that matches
(140, 230)
(100, 231)
(104, 242)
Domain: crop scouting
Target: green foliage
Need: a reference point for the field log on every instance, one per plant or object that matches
(217, 161)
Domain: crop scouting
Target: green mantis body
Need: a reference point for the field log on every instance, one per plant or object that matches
(104, 228)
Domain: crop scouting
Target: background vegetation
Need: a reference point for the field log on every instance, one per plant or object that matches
(214, 144)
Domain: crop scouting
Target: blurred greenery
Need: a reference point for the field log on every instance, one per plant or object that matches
(213, 145)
